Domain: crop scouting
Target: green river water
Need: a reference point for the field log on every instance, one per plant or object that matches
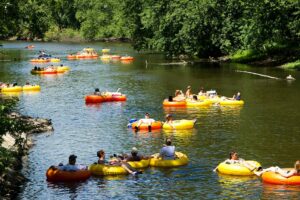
(265, 129)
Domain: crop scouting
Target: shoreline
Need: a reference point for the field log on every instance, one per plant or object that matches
(12, 179)
(285, 61)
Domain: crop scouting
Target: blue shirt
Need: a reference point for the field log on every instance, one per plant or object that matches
(69, 167)
(168, 153)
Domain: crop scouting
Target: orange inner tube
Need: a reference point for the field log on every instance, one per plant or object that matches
(274, 178)
(174, 103)
(126, 58)
(143, 126)
(87, 56)
(98, 98)
(71, 56)
(94, 99)
(56, 175)
(39, 60)
(118, 98)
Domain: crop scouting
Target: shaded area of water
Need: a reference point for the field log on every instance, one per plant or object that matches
(265, 129)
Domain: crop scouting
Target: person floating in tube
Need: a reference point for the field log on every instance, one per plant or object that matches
(147, 120)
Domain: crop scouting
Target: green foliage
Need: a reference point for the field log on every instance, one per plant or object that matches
(243, 56)
(9, 15)
(35, 19)
(292, 65)
(101, 19)
(6, 158)
(68, 34)
(193, 27)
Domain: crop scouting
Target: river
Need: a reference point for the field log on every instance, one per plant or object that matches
(265, 129)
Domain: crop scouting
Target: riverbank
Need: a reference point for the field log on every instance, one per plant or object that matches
(15, 145)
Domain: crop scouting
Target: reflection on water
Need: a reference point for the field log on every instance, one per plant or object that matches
(233, 186)
(265, 129)
(280, 191)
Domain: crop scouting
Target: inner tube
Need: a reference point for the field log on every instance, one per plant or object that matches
(62, 69)
(158, 162)
(231, 103)
(54, 60)
(121, 97)
(274, 178)
(87, 56)
(190, 103)
(105, 50)
(12, 89)
(105, 57)
(180, 124)
(115, 57)
(31, 88)
(71, 56)
(94, 99)
(237, 169)
(104, 170)
(143, 126)
(139, 164)
(40, 60)
(168, 103)
(56, 175)
(127, 58)
(44, 72)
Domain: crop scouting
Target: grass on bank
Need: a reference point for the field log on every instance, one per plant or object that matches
(292, 65)
(244, 56)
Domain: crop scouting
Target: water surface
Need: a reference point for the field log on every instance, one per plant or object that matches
(265, 129)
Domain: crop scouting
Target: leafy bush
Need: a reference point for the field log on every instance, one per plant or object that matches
(292, 65)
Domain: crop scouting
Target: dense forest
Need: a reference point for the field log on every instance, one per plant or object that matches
(193, 27)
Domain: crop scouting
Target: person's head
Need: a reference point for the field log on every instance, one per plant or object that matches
(238, 94)
(72, 159)
(134, 151)
(233, 155)
(147, 115)
(97, 90)
(168, 142)
(27, 83)
(100, 153)
(168, 117)
(61, 65)
(297, 166)
(188, 87)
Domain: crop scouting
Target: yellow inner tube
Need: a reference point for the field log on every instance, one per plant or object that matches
(105, 50)
(54, 60)
(231, 102)
(191, 103)
(12, 89)
(237, 169)
(180, 124)
(31, 88)
(105, 170)
(62, 68)
(181, 160)
(139, 164)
